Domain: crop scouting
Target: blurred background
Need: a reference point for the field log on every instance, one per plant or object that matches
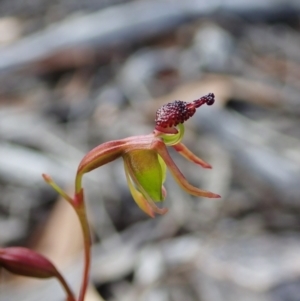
(74, 74)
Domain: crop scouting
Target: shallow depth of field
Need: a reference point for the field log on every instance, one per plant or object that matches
(74, 74)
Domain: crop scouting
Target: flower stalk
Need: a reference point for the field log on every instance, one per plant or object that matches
(78, 205)
(25, 262)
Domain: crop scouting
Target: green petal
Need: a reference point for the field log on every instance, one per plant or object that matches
(138, 197)
(146, 172)
(163, 168)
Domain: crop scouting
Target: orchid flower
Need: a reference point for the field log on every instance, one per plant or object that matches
(146, 157)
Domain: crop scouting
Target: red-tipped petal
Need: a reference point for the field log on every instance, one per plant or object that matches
(47, 178)
(178, 176)
(186, 153)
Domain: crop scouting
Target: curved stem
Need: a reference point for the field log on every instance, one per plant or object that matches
(86, 271)
(79, 206)
(81, 213)
(87, 252)
(66, 287)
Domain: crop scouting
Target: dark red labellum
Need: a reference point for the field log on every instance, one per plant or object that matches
(173, 113)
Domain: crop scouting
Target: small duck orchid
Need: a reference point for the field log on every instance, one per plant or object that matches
(146, 157)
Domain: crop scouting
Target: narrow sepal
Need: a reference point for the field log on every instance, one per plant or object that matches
(178, 176)
(186, 153)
